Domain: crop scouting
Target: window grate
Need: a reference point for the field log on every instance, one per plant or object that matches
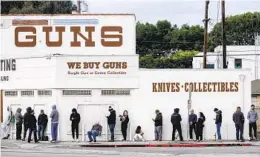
(76, 92)
(44, 92)
(11, 93)
(115, 92)
(27, 93)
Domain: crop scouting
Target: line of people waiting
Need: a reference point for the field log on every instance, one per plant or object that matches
(29, 122)
(196, 124)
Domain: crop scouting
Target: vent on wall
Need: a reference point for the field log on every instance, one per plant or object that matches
(27, 93)
(76, 92)
(11, 93)
(115, 92)
(44, 93)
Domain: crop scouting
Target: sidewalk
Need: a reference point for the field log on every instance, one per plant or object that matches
(13, 144)
(170, 144)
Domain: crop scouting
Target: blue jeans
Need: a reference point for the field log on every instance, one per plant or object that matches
(41, 130)
(219, 130)
(239, 131)
(93, 133)
(112, 130)
(54, 131)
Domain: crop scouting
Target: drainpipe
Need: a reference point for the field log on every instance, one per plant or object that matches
(242, 80)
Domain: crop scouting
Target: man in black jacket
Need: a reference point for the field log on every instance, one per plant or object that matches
(111, 120)
(26, 121)
(32, 127)
(239, 120)
(158, 126)
(42, 124)
(218, 122)
(176, 124)
(75, 119)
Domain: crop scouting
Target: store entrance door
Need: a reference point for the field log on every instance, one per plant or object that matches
(91, 114)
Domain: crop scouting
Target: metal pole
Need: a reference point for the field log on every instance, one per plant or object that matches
(224, 35)
(206, 20)
(189, 107)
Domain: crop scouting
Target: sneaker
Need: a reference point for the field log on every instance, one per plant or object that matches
(143, 140)
(90, 141)
(77, 140)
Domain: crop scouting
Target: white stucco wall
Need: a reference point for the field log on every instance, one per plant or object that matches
(146, 101)
(142, 103)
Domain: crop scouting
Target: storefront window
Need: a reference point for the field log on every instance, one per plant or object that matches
(238, 63)
(210, 66)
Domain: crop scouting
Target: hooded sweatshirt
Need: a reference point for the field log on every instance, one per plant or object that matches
(176, 117)
(32, 121)
(252, 116)
(19, 117)
(54, 115)
(75, 118)
(26, 116)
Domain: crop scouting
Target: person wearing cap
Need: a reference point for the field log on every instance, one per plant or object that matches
(218, 122)
(158, 125)
(111, 120)
(176, 124)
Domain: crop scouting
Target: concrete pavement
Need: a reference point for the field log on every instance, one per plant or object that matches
(23, 144)
(133, 152)
(11, 148)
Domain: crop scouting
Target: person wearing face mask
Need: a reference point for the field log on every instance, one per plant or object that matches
(75, 119)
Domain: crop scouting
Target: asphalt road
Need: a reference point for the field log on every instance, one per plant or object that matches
(133, 152)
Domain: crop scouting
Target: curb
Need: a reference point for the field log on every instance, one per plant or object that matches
(167, 145)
